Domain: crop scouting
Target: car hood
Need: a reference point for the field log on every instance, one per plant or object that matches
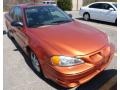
(71, 38)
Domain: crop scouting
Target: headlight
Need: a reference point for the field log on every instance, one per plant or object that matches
(65, 61)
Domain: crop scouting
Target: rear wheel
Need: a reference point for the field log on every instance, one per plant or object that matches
(86, 16)
(9, 34)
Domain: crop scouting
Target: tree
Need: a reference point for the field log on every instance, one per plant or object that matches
(65, 4)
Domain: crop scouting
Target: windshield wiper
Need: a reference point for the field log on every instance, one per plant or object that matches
(37, 25)
(61, 21)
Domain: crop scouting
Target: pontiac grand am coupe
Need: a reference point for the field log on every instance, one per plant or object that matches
(64, 50)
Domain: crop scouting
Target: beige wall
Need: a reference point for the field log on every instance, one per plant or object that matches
(75, 5)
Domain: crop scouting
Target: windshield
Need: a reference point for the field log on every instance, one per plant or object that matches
(45, 15)
(115, 5)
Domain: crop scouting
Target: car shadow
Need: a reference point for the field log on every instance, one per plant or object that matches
(93, 84)
(96, 21)
(99, 80)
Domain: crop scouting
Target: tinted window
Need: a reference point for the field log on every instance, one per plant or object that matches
(11, 13)
(18, 14)
(106, 6)
(101, 6)
(45, 15)
(97, 5)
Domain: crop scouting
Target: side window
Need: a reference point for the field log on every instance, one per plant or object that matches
(107, 6)
(11, 13)
(18, 14)
(97, 6)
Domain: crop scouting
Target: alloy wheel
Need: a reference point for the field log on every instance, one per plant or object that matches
(35, 62)
(86, 17)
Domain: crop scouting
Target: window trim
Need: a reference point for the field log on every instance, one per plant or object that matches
(94, 4)
(101, 8)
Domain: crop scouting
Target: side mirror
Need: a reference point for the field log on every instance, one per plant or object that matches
(111, 9)
(17, 24)
(70, 15)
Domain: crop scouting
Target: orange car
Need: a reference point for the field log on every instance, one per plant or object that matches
(64, 50)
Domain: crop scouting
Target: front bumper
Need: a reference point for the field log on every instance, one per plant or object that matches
(79, 74)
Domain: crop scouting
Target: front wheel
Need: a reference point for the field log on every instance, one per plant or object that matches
(35, 62)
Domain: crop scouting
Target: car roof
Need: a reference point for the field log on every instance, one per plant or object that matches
(102, 2)
(105, 2)
(28, 5)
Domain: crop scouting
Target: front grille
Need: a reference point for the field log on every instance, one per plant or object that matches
(100, 57)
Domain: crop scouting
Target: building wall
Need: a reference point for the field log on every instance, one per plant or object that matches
(77, 4)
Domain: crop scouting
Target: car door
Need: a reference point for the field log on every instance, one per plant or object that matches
(19, 34)
(107, 14)
(95, 11)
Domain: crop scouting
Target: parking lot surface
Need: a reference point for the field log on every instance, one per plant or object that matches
(18, 73)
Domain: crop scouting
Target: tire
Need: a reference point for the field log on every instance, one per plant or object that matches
(86, 16)
(35, 63)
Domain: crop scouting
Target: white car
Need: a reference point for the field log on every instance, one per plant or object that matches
(103, 11)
